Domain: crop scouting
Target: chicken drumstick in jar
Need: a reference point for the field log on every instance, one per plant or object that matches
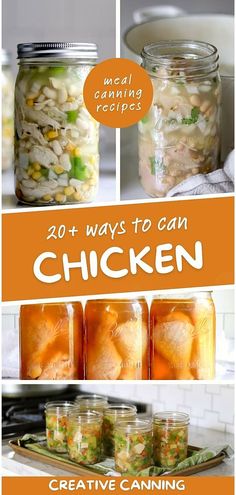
(116, 339)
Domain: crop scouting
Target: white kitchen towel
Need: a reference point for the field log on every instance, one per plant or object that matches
(219, 181)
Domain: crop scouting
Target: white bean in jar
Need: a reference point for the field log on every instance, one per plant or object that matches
(56, 150)
(180, 135)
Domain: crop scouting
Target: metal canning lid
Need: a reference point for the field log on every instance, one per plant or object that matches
(6, 57)
(57, 50)
(171, 419)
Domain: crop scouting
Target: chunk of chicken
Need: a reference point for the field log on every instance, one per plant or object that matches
(130, 339)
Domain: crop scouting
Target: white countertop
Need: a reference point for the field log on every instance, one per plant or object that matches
(14, 464)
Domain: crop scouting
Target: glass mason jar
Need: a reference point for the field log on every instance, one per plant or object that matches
(56, 139)
(91, 402)
(112, 414)
(7, 112)
(56, 425)
(85, 437)
(180, 135)
(183, 337)
(133, 446)
(51, 341)
(116, 339)
(170, 438)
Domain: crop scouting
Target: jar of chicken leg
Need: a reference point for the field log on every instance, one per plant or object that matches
(51, 341)
(116, 339)
(183, 337)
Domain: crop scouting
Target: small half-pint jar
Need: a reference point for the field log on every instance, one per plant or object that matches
(133, 446)
(114, 413)
(170, 438)
(85, 436)
(92, 402)
(56, 425)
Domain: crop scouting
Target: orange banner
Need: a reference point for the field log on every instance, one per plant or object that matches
(107, 485)
(121, 248)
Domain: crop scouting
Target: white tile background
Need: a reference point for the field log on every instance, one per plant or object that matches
(209, 406)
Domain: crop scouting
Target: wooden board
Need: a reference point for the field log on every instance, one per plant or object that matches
(83, 471)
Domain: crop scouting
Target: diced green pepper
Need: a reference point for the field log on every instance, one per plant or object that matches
(78, 169)
(72, 116)
(44, 171)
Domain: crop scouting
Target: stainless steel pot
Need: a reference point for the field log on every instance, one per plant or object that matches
(17, 391)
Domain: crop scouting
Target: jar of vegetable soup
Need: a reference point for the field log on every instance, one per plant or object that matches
(170, 438)
(56, 139)
(56, 425)
(114, 413)
(85, 437)
(180, 135)
(133, 446)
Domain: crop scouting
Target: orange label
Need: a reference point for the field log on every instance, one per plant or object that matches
(121, 248)
(118, 92)
(106, 485)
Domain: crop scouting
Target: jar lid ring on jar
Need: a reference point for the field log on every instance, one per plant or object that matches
(171, 419)
(57, 50)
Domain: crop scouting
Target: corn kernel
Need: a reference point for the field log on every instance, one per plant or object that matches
(58, 169)
(92, 160)
(52, 134)
(30, 171)
(36, 175)
(70, 99)
(68, 191)
(36, 166)
(69, 147)
(60, 198)
(30, 102)
(77, 196)
(76, 152)
(47, 197)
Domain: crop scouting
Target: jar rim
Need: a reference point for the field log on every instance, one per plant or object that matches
(183, 295)
(63, 50)
(122, 409)
(85, 416)
(91, 398)
(171, 419)
(131, 426)
(59, 405)
(190, 56)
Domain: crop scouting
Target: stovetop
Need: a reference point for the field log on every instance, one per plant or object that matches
(26, 415)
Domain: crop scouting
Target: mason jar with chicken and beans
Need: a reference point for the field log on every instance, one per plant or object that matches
(56, 139)
(180, 135)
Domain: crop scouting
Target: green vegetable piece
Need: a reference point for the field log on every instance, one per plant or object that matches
(194, 117)
(156, 165)
(145, 119)
(44, 172)
(56, 71)
(72, 116)
(78, 169)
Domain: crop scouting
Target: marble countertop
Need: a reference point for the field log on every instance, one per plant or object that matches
(15, 464)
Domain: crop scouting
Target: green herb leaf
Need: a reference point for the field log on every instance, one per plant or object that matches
(194, 117)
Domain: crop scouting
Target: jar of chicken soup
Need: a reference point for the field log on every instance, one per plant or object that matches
(170, 438)
(51, 341)
(91, 402)
(84, 437)
(114, 413)
(56, 150)
(180, 135)
(116, 339)
(133, 446)
(56, 425)
(7, 112)
(183, 337)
